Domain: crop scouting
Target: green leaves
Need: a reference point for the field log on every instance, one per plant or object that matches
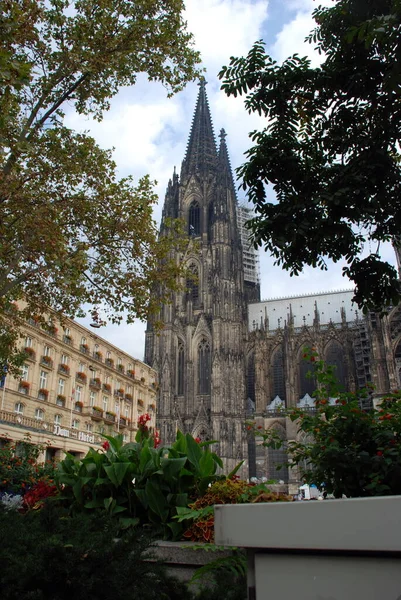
(73, 233)
(144, 484)
(330, 147)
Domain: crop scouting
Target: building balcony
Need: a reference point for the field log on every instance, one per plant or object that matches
(96, 413)
(98, 356)
(67, 339)
(95, 383)
(47, 362)
(63, 369)
(84, 349)
(110, 417)
(106, 388)
(123, 422)
(30, 353)
(80, 377)
(109, 362)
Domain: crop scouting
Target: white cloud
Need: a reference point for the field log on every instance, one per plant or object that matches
(223, 28)
(291, 38)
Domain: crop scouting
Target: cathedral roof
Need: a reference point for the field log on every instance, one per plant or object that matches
(201, 154)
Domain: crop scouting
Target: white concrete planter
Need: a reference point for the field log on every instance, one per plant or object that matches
(328, 550)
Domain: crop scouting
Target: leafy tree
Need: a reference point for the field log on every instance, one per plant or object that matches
(71, 232)
(330, 147)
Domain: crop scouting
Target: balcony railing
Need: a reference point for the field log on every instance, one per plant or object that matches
(50, 428)
(110, 417)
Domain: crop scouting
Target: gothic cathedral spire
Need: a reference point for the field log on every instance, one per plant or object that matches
(199, 354)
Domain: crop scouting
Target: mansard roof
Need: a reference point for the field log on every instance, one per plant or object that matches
(201, 154)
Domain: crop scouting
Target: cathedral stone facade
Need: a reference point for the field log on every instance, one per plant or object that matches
(223, 356)
(200, 354)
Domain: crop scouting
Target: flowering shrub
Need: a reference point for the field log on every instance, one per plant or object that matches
(20, 471)
(34, 497)
(351, 451)
(228, 491)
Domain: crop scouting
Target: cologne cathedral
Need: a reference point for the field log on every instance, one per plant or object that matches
(223, 355)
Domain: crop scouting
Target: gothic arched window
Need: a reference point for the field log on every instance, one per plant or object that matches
(307, 384)
(193, 284)
(204, 367)
(335, 358)
(277, 374)
(180, 369)
(194, 219)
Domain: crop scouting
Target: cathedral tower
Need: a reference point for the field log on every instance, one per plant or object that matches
(200, 353)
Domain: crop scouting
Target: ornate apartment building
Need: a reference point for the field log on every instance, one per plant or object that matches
(223, 355)
(74, 387)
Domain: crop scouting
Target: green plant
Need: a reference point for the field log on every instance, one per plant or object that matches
(138, 483)
(50, 555)
(350, 451)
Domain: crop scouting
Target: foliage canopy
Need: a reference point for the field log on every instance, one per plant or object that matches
(330, 147)
(71, 231)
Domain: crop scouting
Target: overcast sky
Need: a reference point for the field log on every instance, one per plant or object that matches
(149, 131)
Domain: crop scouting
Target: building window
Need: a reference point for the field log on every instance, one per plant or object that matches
(93, 398)
(83, 341)
(43, 380)
(307, 383)
(57, 419)
(61, 386)
(28, 342)
(39, 414)
(126, 411)
(82, 367)
(180, 369)
(105, 401)
(335, 358)
(64, 359)
(19, 408)
(108, 354)
(75, 424)
(193, 284)
(89, 427)
(204, 367)
(24, 372)
(78, 393)
(194, 219)
(46, 351)
(277, 457)
(277, 375)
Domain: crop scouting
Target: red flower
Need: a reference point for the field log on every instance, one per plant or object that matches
(198, 440)
(106, 445)
(379, 453)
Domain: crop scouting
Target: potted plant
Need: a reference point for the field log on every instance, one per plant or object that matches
(131, 373)
(60, 400)
(30, 352)
(65, 369)
(81, 376)
(109, 362)
(107, 388)
(23, 387)
(43, 394)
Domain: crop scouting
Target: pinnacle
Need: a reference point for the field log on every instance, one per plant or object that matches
(201, 155)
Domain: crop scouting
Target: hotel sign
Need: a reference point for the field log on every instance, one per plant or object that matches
(81, 436)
